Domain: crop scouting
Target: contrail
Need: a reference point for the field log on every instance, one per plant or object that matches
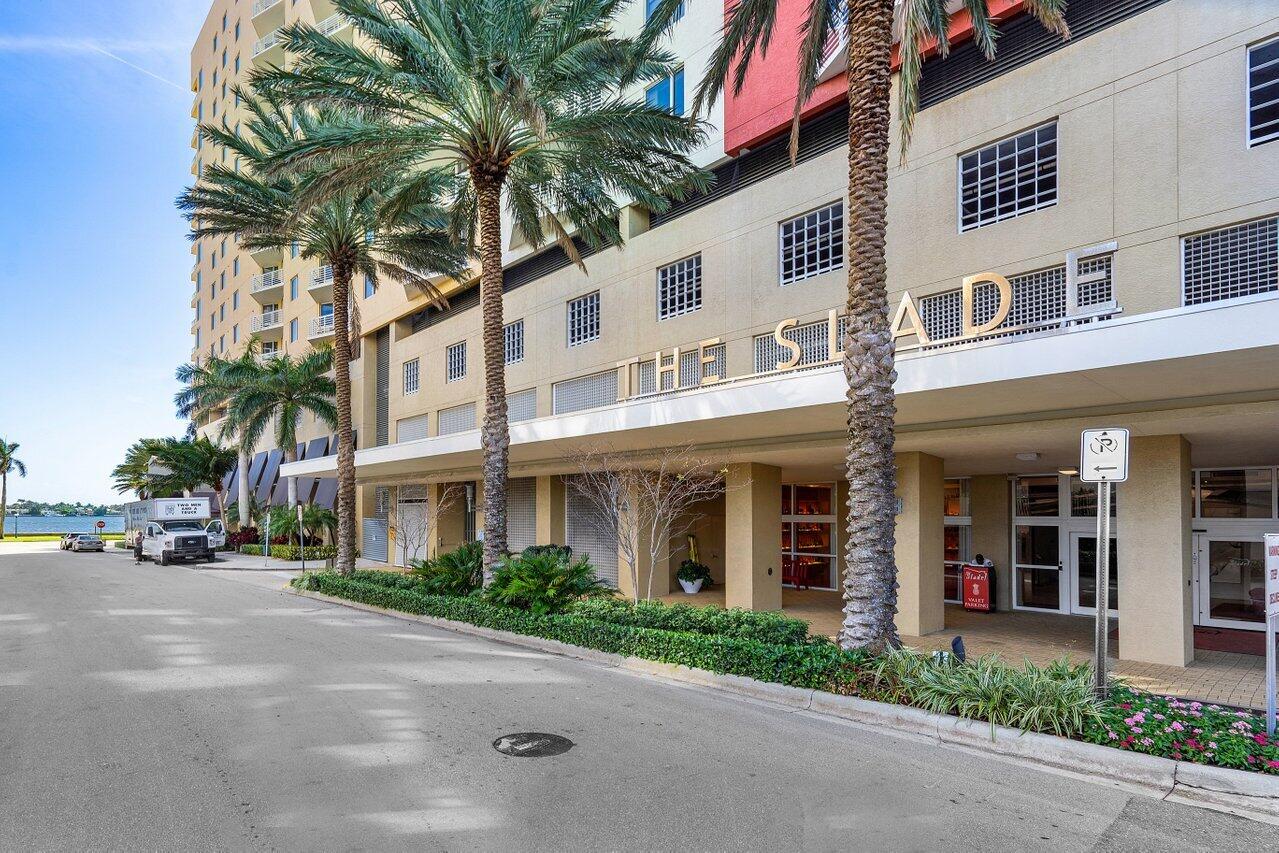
(150, 74)
(41, 44)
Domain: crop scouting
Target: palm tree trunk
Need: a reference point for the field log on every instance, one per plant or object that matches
(4, 500)
(342, 272)
(242, 490)
(870, 574)
(291, 455)
(495, 436)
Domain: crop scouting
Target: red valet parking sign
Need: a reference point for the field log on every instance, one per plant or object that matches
(1272, 611)
(1272, 575)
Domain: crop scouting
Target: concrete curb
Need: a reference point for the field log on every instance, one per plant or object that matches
(1250, 795)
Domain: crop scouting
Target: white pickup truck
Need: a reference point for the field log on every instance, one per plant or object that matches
(180, 529)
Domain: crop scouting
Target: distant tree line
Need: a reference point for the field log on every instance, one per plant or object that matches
(25, 507)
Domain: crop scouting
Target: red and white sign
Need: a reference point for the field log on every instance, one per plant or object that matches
(1272, 575)
(976, 581)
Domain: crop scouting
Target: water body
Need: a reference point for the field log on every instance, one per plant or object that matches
(62, 523)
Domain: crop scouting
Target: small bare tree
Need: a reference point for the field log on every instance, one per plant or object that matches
(647, 503)
(415, 530)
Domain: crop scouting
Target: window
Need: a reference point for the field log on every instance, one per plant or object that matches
(221, 312)
(1231, 262)
(369, 287)
(1038, 566)
(1008, 178)
(223, 22)
(1036, 496)
(411, 377)
(679, 288)
(235, 266)
(222, 281)
(584, 319)
(808, 535)
(237, 33)
(1083, 499)
(235, 333)
(650, 6)
(221, 344)
(293, 287)
(812, 244)
(293, 329)
(293, 249)
(215, 42)
(1263, 92)
(667, 93)
(455, 361)
(513, 342)
(1236, 493)
(237, 71)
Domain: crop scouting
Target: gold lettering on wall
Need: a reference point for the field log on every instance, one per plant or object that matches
(972, 329)
(703, 359)
(795, 351)
(906, 311)
(660, 371)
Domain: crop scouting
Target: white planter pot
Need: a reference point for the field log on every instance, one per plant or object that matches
(691, 587)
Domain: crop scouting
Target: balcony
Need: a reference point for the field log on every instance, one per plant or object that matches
(321, 286)
(271, 256)
(268, 355)
(270, 48)
(268, 324)
(267, 287)
(321, 327)
(267, 15)
(333, 25)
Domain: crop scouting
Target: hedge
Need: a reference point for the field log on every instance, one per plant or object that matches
(814, 665)
(765, 626)
(293, 552)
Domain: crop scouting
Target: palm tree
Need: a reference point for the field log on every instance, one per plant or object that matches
(353, 231)
(870, 574)
(9, 461)
(134, 473)
(276, 399)
(522, 103)
(207, 389)
(189, 463)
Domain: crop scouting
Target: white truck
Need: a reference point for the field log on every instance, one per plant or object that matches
(178, 529)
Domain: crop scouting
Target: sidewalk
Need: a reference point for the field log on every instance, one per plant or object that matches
(233, 561)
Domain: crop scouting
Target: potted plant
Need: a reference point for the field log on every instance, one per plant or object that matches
(692, 575)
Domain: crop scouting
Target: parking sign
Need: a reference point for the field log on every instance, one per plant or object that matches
(1103, 455)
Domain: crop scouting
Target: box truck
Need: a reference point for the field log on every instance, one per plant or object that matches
(176, 529)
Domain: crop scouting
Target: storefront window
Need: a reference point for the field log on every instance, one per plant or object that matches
(1083, 500)
(808, 535)
(1036, 496)
(1086, 595)
(1236, 580)
(956, 499)
(1236, 493)
(955, 553)
(1038, 566)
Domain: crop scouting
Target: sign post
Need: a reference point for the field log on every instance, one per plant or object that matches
(1103, 459)
(1272, 616)
(302, 537)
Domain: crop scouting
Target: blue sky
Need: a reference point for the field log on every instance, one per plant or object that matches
(94, 269)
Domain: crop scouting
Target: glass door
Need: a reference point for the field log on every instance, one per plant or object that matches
(1231, 580)
(1083, 564)
(808, 535)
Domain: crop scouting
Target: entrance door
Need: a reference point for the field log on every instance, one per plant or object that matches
(1231, 583)
(1083, 567)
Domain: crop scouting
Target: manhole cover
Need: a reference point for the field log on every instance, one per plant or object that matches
(532, 744)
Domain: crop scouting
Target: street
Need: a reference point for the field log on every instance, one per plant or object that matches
(177, 708)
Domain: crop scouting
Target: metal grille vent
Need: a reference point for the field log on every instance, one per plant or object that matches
(584, 392)
(382, 390)
(813, 346)
(689, 375)
(679, 288)
(1231, 262)
(412, 429)
(513, 342)
(588, 533)
(584, 319)
(457, 419)
(455, 361)
(522, 405)
(521, 513)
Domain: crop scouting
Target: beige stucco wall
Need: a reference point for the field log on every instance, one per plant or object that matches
(918, 548)
(752, 557)
(989, 499)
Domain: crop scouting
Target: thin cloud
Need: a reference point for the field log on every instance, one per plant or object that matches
(110, 48)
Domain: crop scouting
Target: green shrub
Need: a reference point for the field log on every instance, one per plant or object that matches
(814, 665)
(544, 583)
(765, 626)
(380, 577)
(691, 571)
(562, 551)
(457, 572)
(252, 550)
(293, 552)
(1057, 699)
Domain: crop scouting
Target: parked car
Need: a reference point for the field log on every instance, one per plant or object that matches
(87, 542)
(64, 544)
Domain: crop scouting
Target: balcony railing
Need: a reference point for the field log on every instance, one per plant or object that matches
(322, 277)
(267, 42)
(265, 320)
(331, 24)
(265, 281)
(260, 6)
(321, 326)
(267, 355)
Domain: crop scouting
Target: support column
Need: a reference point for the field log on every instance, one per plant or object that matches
(752, 537)
(1154, 538)
(919, 551)
(989, 506)
(658, 571)
(550, 511)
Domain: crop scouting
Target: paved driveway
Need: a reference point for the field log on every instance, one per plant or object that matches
(174, 708)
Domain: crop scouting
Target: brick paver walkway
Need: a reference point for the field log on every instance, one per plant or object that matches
(1234, 679)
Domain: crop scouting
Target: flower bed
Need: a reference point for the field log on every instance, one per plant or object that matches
(1053, 699)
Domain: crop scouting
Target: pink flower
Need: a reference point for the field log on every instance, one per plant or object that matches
(1112, 735)
(1212, 744)
(1136, 730)
(1273, 765)
(1260, 739)
(1177, 727)
(1147, 742)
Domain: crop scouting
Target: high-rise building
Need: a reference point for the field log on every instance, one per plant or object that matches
(1085, 233)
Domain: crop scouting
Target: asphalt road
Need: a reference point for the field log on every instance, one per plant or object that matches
(177, 709)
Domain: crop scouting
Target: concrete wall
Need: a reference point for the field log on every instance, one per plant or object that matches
(919, 549)
(989, 505)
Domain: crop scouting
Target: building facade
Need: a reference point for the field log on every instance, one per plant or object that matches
(1084, 234)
